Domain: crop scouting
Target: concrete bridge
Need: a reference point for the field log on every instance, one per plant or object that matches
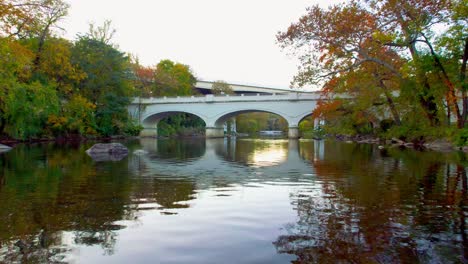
(215, 110)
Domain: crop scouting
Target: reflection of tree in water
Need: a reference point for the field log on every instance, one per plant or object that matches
(182, 149)
(165, 192)
(46, 195)
(402, 208)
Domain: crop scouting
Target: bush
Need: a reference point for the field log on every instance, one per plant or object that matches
(27, 109)
(132, 129)
(386, 124)
(460, 137)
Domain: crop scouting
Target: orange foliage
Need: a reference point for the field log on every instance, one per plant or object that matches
(326, 108)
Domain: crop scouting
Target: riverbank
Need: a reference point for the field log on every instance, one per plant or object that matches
(11, 142)
(442, 145)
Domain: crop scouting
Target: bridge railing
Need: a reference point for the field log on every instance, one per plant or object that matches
(210, 98)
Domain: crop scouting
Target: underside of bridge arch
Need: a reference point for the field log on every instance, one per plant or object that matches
(150, 122)
(292, 125)
(307, 124)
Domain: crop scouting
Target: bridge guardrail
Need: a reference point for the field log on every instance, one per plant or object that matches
(210, 98)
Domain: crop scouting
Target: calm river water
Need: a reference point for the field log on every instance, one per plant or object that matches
(233, 201)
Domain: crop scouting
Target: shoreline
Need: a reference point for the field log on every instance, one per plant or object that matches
(440, 145)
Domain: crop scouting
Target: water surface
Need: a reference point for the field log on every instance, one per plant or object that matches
(233, 201)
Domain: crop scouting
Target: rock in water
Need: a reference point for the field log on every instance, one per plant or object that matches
(107, 152)
(140, 152)
(4, 148)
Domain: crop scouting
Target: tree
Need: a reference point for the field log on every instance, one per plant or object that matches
(107, 84)
(56, 66)
(103, 33)
(27, 109)
(342, 40)
(144, 78)
(49, 13)
(221, 87)
(453, 46)
(173, 79)
(375, 49)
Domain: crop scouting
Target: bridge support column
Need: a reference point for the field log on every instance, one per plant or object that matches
(316, 123)
(293, 132)
(214, 132)
(149, 132)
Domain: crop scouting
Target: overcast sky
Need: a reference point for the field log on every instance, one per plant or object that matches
(225, 40)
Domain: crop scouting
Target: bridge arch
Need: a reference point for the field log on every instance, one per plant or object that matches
(150, 121)
(223, 117)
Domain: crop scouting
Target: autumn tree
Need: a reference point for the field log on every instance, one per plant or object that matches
(342, 40)
(221, 87)
(173, 79)
(384, 53)
(144, 78)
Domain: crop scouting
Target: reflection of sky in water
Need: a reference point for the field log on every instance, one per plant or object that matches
(275, 154)
(221, 201)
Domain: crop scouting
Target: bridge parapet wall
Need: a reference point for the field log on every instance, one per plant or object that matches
(209, 98)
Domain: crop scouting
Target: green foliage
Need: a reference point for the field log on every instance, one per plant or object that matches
(49, 85)
(181, 125)
(132, 128)
(173, 79)
(386, 124)
(27, 108)
(111, 114)
(77, 118)
(106, 68)
(251, 123)
(461, 137)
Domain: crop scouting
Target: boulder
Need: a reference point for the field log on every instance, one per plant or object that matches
(398, 141)
(4, 148)
(140, 152)
(107, 152)
(440, 145)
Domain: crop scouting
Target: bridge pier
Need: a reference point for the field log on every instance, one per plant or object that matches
(293, 132)
(214, 132)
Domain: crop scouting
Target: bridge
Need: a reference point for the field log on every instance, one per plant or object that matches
(205, 87)
(215, 110)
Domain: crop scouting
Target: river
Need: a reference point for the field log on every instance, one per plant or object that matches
(233, 201)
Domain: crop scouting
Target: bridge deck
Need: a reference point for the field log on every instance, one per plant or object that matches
(209, 98)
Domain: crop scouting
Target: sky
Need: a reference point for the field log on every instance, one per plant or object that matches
(233, 41)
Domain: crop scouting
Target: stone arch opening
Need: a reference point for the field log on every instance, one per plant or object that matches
(306, 125)
(173, 123)
(252, 121)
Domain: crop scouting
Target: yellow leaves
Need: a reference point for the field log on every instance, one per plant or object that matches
(56, 122)
(77, 117)
(15, 58)
(383, 37)
(56, 64)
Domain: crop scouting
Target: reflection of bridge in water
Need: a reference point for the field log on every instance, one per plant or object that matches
(237, 160)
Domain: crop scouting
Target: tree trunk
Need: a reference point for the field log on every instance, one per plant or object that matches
(464, 86)
(391, 104)
(40, 47)
(429, 105)
(452, 100)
